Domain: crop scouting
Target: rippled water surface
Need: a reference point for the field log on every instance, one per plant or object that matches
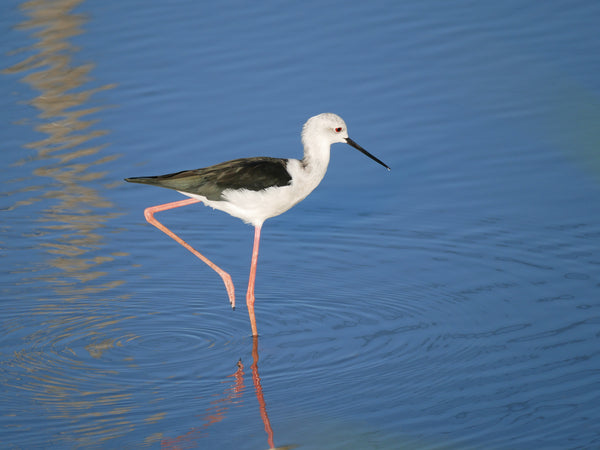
(453, 302)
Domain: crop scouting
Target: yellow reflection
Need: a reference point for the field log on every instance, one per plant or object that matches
(71, 230)
(78, 211)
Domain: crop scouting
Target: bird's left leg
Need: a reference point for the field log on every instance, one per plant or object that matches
(149, 214)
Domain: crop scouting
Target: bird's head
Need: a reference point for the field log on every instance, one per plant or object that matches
(329, 128)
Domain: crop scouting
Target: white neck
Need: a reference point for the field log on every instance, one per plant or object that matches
(316, 154)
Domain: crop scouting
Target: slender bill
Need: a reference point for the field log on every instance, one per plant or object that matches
(362, 150)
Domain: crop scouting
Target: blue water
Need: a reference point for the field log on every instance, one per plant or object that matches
(453, 302)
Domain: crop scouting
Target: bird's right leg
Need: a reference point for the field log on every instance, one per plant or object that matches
(149, 214)
(250, 292)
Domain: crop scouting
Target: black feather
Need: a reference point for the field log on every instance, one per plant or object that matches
(254, 174)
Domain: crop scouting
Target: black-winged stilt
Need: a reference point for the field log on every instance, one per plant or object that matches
(255, 189)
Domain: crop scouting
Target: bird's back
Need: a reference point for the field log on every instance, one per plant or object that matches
(254, 174)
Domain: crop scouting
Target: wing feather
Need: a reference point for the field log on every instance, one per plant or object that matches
(254, 174)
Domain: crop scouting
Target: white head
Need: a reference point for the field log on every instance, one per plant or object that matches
(326, 129)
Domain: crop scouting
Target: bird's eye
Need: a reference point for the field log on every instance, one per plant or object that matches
(338, 129)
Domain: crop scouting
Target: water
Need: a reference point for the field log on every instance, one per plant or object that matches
(450, 303)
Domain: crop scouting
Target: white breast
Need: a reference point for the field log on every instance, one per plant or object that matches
(254, 207)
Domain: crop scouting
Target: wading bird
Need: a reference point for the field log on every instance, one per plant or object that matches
(255, 189)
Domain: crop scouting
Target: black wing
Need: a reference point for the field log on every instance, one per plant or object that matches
(254, 174)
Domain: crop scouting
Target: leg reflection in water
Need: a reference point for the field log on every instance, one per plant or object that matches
(219, 407)
(261, 398)
(259, 392)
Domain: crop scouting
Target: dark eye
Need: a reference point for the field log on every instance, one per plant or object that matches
(338, 129)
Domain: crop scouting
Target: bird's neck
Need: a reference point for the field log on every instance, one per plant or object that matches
(316, 156)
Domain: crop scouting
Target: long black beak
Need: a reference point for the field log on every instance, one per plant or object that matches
(362, 150)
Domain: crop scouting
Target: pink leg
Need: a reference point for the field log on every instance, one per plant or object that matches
(149, 214)
(259, 393)
(250, 293)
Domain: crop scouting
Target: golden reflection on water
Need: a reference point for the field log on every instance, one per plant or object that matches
(68, 157)
(77, 211)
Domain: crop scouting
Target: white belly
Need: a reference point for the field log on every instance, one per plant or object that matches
(254, 207)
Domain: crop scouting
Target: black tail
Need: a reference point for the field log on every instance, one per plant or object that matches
(142, 180)
(170, 182)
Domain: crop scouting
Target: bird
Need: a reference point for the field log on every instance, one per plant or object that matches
(254, 189)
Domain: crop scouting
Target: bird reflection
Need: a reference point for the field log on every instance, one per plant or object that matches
(259, 392)
(231, 395)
